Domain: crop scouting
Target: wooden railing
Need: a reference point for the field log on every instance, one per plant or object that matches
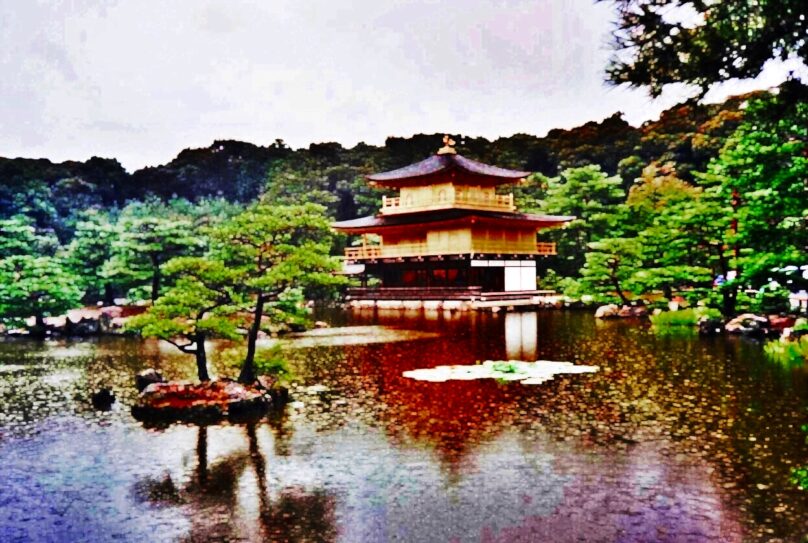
(372, 252)
(498, 202)
(414, 293)
(543, 248)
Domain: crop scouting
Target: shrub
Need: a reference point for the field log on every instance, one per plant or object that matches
(799, 475)
(788, 353)
(684, 317)
(571, 287)
(773, 300)
(549, 281)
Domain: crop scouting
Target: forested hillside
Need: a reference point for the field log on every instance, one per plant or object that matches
(706, 191)
(52, 193)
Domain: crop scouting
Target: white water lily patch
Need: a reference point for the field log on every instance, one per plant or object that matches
(528, 373)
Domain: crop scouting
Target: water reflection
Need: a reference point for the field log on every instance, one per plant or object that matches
(676, 439)
(521, 336)
(231, 498)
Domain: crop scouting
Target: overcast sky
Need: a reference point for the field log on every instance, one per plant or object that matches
(139, 80)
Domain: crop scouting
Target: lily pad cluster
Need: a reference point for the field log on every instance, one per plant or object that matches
(528, 373)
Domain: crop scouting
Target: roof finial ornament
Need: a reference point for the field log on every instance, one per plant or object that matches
(448, 146)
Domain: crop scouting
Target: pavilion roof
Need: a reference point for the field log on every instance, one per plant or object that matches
(445, 162)
(375, 223)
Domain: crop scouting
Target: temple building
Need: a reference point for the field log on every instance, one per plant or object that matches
(448, 235)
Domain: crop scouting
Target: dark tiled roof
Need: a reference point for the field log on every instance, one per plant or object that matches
(437, 163)
(425, 217)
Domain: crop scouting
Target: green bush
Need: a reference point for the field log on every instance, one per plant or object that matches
(696, 295)
(549, 281)
(773, 301)
(684, 317)
(571, 287)
(799, 475)
(268, 361)
(766, 301)
(744, 303)
(788, 353)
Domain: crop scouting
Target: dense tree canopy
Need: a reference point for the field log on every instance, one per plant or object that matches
(703, 42)
(201, 304)
(763, 171)
(272, 249)
(148, 235)
(705, 190)
(34, 282)
(587, 193)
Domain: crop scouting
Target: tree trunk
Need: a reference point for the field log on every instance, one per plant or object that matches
(155, 285)
(109, 294)
(247, 375)
(201, 358)
(616, 284)
(202, 455)
(260, 468)
(730, 295)
(39, 328)
(619, 290)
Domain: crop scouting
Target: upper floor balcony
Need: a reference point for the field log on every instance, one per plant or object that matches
(487, 201)
(400, 250)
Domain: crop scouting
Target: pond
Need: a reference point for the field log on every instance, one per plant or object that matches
(674, 438)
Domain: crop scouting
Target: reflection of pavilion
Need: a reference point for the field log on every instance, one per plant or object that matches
(521, 336)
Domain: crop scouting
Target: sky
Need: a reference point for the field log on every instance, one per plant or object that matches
(139, 80)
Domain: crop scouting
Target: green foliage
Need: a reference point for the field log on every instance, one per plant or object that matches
(684, 317)
(676, 231)
(34, 281)
(590, 195)
(201, 303)
(201, 299)
(549, 281)
(38, 286)
(289, 309)
(20, 237)
(90, 250)
(684, 41)
(148, 234)
(773, 300)
(270, 361)
(788, 353)
(572, 288)
(799, 477)
(610, 263)
(274, 250)
(762, 169)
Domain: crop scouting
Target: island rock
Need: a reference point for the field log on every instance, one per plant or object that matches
(148, 377)
(607, 311)
(202, 402)
(748, 324)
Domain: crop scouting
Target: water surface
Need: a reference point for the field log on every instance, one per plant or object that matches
(674, 439)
